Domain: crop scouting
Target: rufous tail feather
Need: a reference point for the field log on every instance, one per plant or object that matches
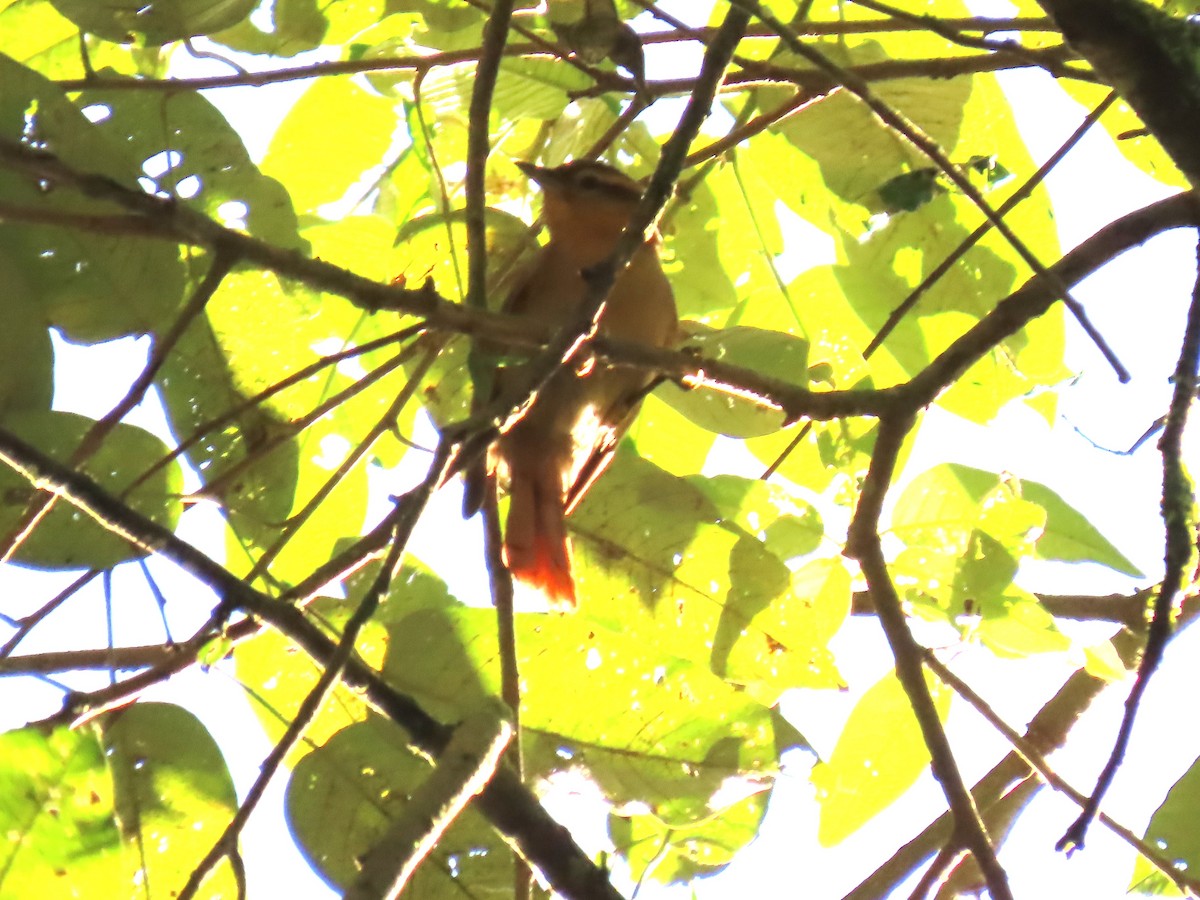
(536, 549)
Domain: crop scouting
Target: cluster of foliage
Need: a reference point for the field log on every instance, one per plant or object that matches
(306, 308)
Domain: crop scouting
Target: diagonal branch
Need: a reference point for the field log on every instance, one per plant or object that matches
(408, 510)
(1179, 518)
(864, 545)
(469, 763)
(1037, 762)
(177, 222)
(927, 146)
(508, 804)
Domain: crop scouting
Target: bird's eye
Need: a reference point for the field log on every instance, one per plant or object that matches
(588, 181)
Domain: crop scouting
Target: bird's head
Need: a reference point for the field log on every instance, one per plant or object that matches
(585, 203)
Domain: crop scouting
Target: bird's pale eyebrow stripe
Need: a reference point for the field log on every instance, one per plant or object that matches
(612, 179)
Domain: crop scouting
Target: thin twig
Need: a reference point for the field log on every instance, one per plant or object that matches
(384, 424)
(1036, 296)
(26, 624)
(108, 658)
(94, 437)
(427, 62)
(501, 581)
(409, 509)
(927, 146)
(898, 314)
(1028, 302)
(1037, 761)
(863, 544)
(939, 27)
(507, 803)
(1179, 519)
(468, 763)
(230, 415)
(495, 35)
(1022, 193)
(1047, 732)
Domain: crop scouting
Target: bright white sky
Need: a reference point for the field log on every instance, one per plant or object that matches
(1138, 303)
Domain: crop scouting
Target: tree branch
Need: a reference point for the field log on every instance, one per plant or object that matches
(864, 545)
(1179, 519)
(110, 658)
(1038, 763)
(510, 807)
(1047, 732)
(1027, 303)
(1150, 57)
(408, 510)
(920, 141)
(495, 34)
(464, 769)
(1128, 610)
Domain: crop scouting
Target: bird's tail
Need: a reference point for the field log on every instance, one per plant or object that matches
(536, 549)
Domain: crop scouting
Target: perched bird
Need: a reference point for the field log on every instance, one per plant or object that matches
(564, 441)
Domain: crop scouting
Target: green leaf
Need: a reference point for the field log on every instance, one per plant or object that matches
(66, 537)
(821, 455)
(536, 88)
(433, 247)
(363, 244)
(655, 557)
(194, 154)
(296, 26)
(26, 352)
(668, 439)
(909, 191)
(440, 15)
(1172, 830)
(343, 794)
(669, 853)
(768, 352)
(33, 29)
(1020, 626)
(173, 794)
(298, 480)
(141, 805)
(789, 527)
(281, 678)
(693, 259)
(330, 504)
(57, 813)
(855, 150)
(944, 505)
(865, 775)
(884, 258)
(1070, 537)
(245, 314)
(655, 730)
(92, 285)
(244, 453)
(320, 172)
(156, 21)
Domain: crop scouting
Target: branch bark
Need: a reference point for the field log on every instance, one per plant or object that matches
(1150, 57)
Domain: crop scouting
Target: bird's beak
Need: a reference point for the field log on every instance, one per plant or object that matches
(539, 174)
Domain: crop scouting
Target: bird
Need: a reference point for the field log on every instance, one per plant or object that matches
(565, 440)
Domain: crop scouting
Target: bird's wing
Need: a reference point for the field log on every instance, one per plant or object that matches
(621, 416)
